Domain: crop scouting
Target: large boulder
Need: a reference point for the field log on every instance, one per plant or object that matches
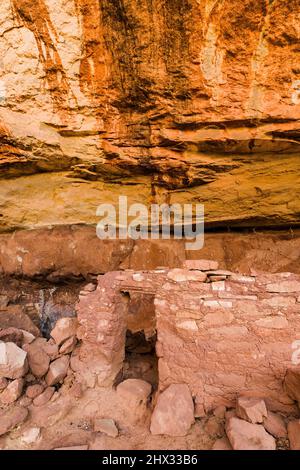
(174, 412)
(13, 361)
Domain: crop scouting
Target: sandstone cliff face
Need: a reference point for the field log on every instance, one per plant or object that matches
(160, 100)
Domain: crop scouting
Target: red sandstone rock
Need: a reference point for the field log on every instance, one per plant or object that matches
(31, 436)
(28, 338)
(275, 425)
(247, 436)
(173, 414)
(284, 287)
(201, 264)
(222, 444)
(64, 329)
(182, 275)
(14, 316)
(3, 383)
(292, 384)
(38, 360)
(57, 370)
(11, 418)
(294, 434)
(214, 427)
(83, 447)
(134, 390)
(44, 397)
(220, 411)
(12, 335)
(251, 409)
(12, 392)
(68, 346)
(106, 426)
(13, 362)
(34, 390)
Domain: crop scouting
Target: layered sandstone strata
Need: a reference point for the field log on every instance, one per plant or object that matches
(164, 100)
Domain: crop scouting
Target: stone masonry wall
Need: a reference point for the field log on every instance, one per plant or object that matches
(222, 334)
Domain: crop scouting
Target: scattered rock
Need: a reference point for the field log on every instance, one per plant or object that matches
(174, 412)
(13, 362)
(3, 383)
(64, 329)
(292, 384)
(11, 418)
(251, 409)
(247, 436)
(38, 360)
(68, 346)
(214, 427)
(25, 401)
(275, 425)
(12, 392)
(222, 444)
(44, 397)
(220, 411)
(294, 434)
(106, 426)
(34, 390)
(12, 335)
(134, 390)
(31, 436)
(201, 264)
(51, 349)
(57, 370)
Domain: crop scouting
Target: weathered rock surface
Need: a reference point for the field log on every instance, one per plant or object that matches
(174, 412)
(65, 328)
(247, 436)
(275, 425)
(152, 97)
(251, 409)
(106, 426)
(12, 418)
(38, 360)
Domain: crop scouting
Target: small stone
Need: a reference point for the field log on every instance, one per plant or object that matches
(294, 434)
(68, 346)
(275, 425)
(28, 338)
(213, 427)
(173, 414)
(222, 444)
(201, 264)
(64, 329)
(3, 383)
(251, 409)
(31, 436)
(11, 418)
(13, 361)
(292, 384)
(25, 401)
(38, 360)
(275, 322)
(247, 436)
(12, 392)
(34, 391)
(57, 370)
(51, 349)
(106, 426)
(220, 411)
(12, 335)
(44, 397)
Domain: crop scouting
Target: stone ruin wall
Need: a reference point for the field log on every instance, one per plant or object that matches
(223, 334)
